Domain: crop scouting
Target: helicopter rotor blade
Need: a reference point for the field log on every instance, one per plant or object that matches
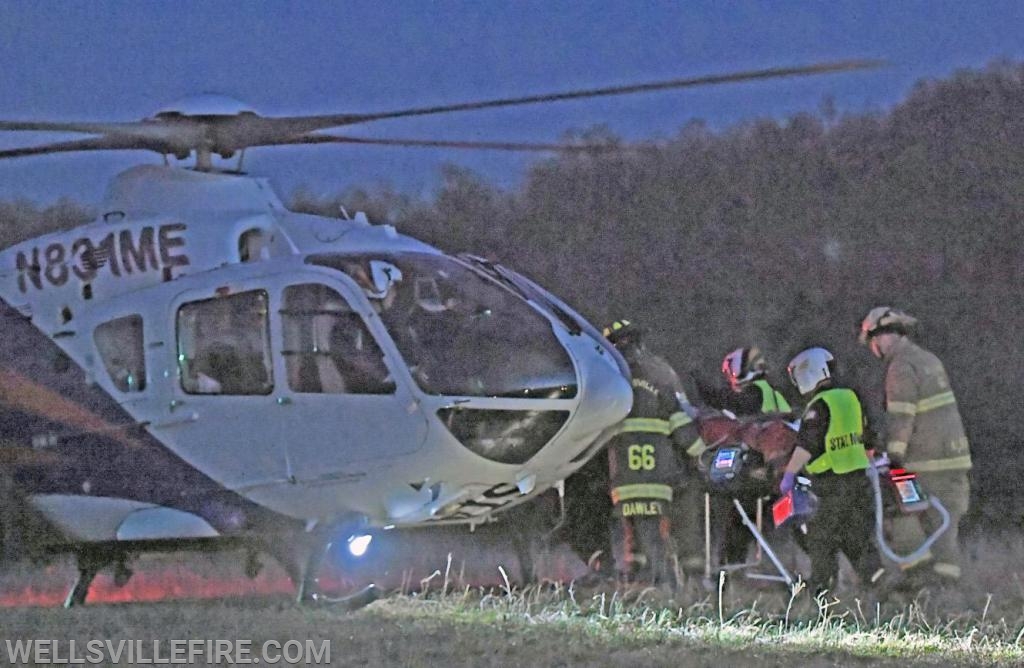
(440, 143)
(180, 132)
(301, 124)
(107, 143)
(71, 126)
(148, 129)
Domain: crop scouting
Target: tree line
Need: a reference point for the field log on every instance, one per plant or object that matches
(781, 234)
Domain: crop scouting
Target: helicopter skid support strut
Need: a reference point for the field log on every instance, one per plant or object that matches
(88, 567)
(301, 556)
(303, 562)
(89, 564)
(316, 546)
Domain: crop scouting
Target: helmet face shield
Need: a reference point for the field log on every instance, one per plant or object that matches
(731, 365)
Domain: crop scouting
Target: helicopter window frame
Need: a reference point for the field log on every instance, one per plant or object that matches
(120, 344)
(219, 351)
(327, 345)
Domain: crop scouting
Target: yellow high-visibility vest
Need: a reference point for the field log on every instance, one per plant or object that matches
(844, 441)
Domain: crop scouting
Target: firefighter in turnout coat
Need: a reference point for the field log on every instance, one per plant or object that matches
(642, 462)
(924, 434)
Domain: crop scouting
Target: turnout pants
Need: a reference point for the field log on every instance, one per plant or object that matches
(647, 549)
(844, 523)
(687, 512)
(953, 489)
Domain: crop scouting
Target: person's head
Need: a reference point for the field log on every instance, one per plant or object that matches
(743, 366)
(883, 327)
(812, 369)
(624, 335)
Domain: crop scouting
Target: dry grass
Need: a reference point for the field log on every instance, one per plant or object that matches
(438, 619)
(553, 625)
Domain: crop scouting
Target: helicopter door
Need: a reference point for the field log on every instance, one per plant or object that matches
(221, 416)
(347, 405)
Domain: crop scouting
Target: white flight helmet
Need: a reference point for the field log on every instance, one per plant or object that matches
(809, 368)
(383, 276)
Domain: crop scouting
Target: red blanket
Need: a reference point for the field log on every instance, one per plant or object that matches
(767, 434)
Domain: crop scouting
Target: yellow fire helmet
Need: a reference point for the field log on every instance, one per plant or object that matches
(620, 331)
(882, 319)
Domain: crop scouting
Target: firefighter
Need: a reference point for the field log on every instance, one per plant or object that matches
(830, 447)
(642, 462)
(923, 433)
(749, 393)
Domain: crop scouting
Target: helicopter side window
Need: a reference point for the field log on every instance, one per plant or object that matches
(119, 343)
(327, 346)
(253, 246)
(224, 345)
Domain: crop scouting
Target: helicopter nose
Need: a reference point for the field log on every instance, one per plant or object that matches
(605, 393)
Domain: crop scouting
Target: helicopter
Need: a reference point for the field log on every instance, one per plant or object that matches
(201, 368)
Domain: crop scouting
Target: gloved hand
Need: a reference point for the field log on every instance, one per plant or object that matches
(788, 482)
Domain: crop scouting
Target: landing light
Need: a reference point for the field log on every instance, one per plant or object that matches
(357, 545)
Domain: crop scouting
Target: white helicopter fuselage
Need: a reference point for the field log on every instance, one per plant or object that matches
(505, 394)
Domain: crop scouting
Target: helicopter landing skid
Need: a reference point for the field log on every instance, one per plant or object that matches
(352, 602)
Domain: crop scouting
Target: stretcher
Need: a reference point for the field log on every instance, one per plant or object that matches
(744, 459)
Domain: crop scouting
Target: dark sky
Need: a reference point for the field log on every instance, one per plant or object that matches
(125, 60)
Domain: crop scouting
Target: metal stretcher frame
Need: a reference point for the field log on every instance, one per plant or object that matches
(763, 547)
(783, 573)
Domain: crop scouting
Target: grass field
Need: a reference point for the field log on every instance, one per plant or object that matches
(436, 619)
(550, 627)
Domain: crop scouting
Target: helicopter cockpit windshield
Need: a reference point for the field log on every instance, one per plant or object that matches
(460, 333)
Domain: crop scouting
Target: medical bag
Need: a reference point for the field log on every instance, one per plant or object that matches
(903, 491)
(799, 504)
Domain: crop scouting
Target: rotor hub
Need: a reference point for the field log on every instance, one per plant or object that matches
(205, 104)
